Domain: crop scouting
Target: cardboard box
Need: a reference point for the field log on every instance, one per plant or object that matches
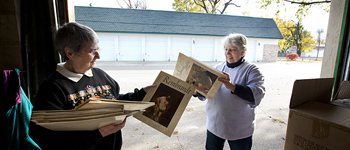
(314, 123)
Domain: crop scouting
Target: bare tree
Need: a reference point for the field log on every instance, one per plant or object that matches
(212, 6)
(133, 4)
(140, 4)
(308, 3)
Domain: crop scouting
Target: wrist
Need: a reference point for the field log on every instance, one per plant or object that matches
(233, 88)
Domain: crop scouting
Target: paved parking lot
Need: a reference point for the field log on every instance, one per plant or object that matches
(272, 113)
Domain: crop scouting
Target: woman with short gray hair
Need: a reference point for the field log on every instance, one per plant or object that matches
(78, 35)
(75, 81)
(239, 40)
(231, 113)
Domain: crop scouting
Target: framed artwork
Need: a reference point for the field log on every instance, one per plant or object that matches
(170, 96)
(203, 77)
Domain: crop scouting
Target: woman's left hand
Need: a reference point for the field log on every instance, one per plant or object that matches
(147, 88)
(227, 82)
(111, 128)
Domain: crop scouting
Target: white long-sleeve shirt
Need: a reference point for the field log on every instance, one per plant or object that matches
(228, 116)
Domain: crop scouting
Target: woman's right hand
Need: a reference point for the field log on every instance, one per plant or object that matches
(147, 88)
(227, 82)
(111, 128)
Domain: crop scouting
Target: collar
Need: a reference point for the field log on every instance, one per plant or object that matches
(75, 77)
(233, 65)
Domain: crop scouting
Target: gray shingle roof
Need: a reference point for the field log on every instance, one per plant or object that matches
(173, 22)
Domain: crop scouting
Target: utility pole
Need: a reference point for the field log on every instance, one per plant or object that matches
(319, 31)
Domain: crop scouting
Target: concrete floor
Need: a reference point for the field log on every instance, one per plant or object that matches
(190, 133)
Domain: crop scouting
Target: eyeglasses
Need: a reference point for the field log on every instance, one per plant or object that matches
(93, 52)
(231, 50)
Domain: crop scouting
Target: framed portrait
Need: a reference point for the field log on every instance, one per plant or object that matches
(170, 96)
(203, 77)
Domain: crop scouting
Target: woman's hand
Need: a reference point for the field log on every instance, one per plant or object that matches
(111, 128)
(227, 82)
(204, 88)
(147, 88)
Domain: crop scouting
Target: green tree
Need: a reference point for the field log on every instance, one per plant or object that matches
(286, 28)
(294, 35)
(307, 42)
(302, 38)
(186, 5)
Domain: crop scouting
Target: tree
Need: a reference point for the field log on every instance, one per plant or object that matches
(186, 5)
(303, 6)
(319, 31)
(302, 38)
(307, 42)
(209, 6)
(285, 28)
(246, 13)
(297, 36)
(135, 4)
(294, 35)
(307, 2)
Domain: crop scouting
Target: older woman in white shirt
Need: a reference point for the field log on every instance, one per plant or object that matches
(231, 113)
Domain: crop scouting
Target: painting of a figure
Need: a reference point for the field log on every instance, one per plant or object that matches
(167, 101)
(201, 78)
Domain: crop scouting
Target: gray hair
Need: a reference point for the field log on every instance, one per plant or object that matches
(73, 36)
(238, 40)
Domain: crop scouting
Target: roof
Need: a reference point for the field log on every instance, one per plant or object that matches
(118, 20)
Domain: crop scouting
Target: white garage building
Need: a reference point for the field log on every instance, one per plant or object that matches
(150, 35)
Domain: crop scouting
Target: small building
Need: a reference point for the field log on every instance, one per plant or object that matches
(292, 49)
(152, 35)
(315, 52)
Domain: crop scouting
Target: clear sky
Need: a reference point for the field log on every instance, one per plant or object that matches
(317, 19)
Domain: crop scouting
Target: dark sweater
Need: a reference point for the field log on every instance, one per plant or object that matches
(59, 93)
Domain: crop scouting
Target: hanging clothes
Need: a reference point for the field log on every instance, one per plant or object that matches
(17, 109)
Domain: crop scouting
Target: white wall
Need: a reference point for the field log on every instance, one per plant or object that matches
(313, 53)
(107, 46)
(153, 47)
(256, 48)
(333, 38)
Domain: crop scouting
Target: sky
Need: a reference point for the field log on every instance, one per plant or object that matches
(317, 19)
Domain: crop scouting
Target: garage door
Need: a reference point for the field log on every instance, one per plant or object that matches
(107, 46)
(156, 48)
(130, 48)
(220, 51)
(180, 44)
(250, 54)
(204, 49)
